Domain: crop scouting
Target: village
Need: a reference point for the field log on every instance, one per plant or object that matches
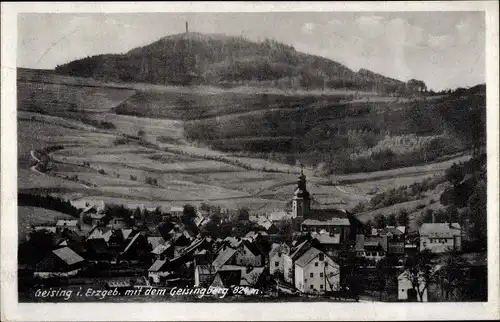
(299, 254)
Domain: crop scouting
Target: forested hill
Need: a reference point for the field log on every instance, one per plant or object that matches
(194, 58)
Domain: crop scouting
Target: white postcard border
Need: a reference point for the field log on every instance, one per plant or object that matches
(11, 310)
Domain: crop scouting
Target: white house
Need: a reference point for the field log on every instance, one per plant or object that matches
(316, 273)
(440, 237)
(69, 224)
(176, 211)
(158, 270)
(276, 258)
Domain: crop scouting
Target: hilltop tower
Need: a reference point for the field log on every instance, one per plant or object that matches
(187, 29)
(301, 202)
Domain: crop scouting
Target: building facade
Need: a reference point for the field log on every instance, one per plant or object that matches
(316, 273)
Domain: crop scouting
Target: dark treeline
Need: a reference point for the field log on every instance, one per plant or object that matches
(48, 202)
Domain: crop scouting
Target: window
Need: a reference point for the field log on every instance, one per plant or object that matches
(321, 286)
(316, 264)
(279, 254)
(311, 287)
(320, 274)
(311, 275)
(321, 257)
(276, 264)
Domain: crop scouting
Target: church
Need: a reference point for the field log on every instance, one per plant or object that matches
(338, 223)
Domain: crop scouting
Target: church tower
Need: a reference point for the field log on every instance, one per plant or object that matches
(301, 202)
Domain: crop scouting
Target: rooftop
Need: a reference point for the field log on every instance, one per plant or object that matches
(68, 255)
(440, 229)
(308, 256)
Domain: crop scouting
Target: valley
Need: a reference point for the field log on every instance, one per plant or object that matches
(136, 145)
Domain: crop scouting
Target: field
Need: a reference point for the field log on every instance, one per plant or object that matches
(128, 145)
(28, 216)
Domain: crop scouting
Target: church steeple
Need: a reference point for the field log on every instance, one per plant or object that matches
(301, 199)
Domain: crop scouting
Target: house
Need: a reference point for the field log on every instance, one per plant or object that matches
(289, 260)
(158, 271)
(234, 275)
(276, 258)
(329, 222)
(176, 211)
(52, 229)
(98, 251)
(67, 224)
(406, 292)
(61, 262)
(228, 277)
(267, 225)
(165, 250)
(279, 215)
(372, 247)
(316, 273)
(440, 237)
(118, 223)
(100, 232)
(244, 253)
(137, 250)
(252, 276)
(203, 275)
(155, 241)
(327, 242)
(249, 253)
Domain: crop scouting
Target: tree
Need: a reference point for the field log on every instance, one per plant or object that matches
(391, 220)
(403, 218)
(451, 275)
(243, 213)
(380, 222)
(368, 226)
(384, 272)
(420, 271)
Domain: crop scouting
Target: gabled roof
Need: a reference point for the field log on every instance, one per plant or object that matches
(251, 277)
(157, 265)
(393, 230)
(330, 221)
(278, 248)
(126, 233)
(253, 247)
(233, 242)
(155, 241)
(223, 257)
(325, 238)
(68, 255)
(52, 229)
(264, 222)
(100, 232)
(160, 249)
(131, 243)
(300, 249)
(440, 230)
(308, 256)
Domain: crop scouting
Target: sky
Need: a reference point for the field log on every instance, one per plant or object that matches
(444, 49)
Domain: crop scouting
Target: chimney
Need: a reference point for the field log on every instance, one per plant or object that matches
(187, 30)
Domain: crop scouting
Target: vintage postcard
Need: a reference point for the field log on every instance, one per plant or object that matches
(250, 161)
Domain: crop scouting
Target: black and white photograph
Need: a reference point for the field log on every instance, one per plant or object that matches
(252, 157)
